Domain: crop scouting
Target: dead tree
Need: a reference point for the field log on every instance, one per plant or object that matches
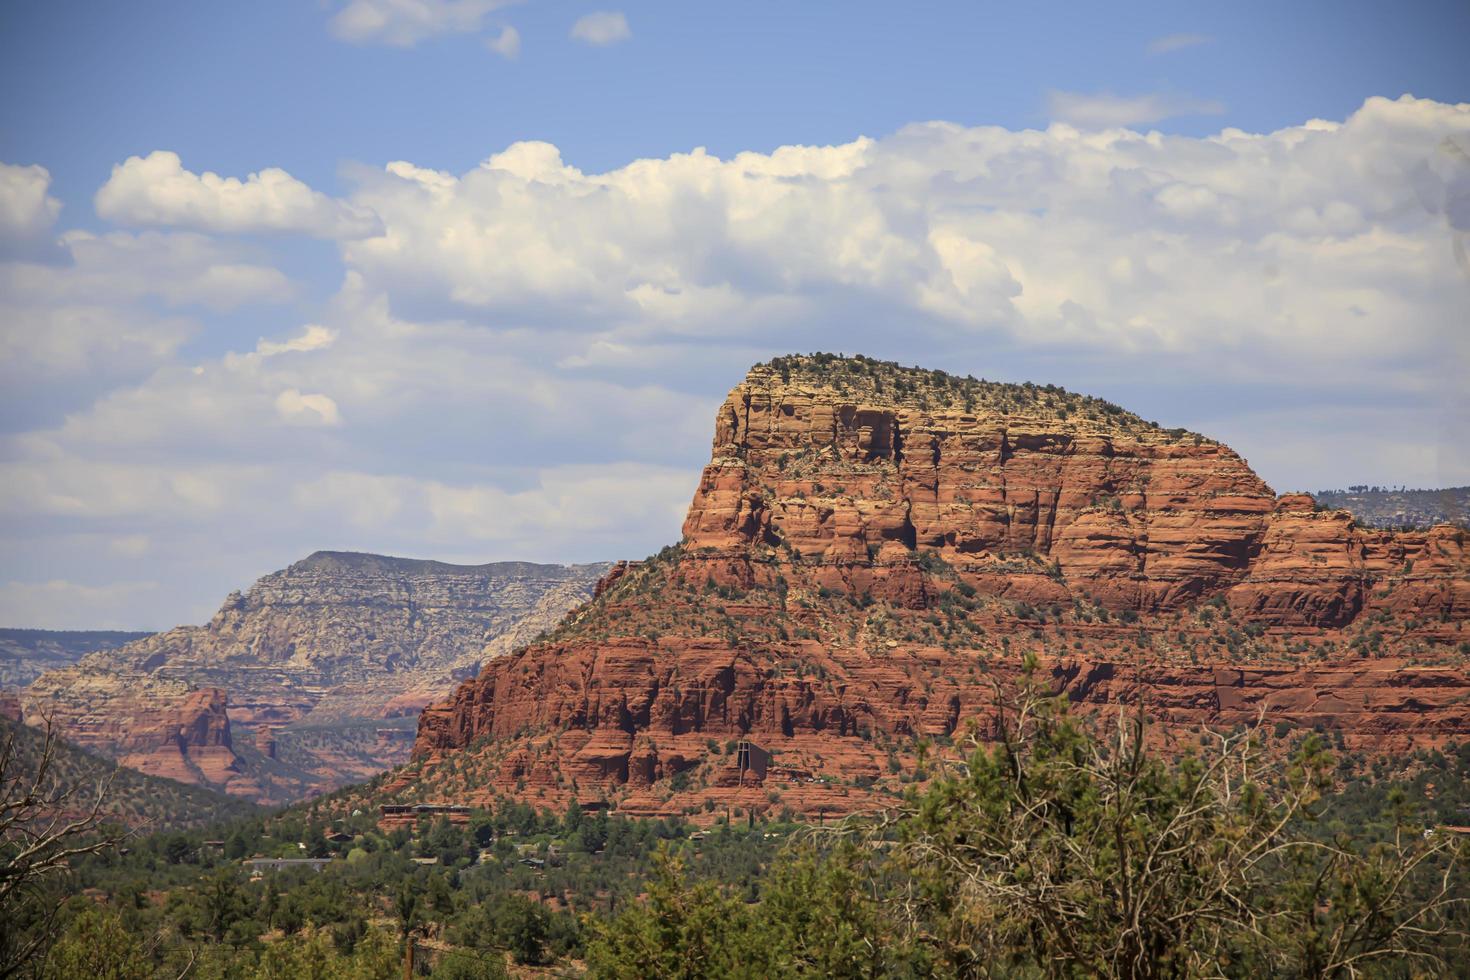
(45, 823)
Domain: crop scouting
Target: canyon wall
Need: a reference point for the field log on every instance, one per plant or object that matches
(330, 642)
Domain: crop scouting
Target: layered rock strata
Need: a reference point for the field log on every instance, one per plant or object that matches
(332, 639)
(873, 550)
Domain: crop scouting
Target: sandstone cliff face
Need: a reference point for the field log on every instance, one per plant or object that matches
(1322, 569)
(332, 638)
(872, 548)
(189, 740)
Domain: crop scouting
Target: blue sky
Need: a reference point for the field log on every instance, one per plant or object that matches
(237, 87)
(448, 278)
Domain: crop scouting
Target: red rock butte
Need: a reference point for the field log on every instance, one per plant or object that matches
(872, 548)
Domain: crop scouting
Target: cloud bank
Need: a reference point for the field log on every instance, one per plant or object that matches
(27, 211)
(523, 360)
(157, 190)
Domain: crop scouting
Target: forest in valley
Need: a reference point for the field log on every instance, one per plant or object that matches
(1065, 849)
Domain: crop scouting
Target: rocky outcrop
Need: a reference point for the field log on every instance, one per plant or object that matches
(873, 550)
(1103, 506)
(1321, 568)
(188, 741)
(158, 726)
(331, 640)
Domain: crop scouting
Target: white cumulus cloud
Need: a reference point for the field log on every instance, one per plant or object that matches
(313, 337)
(307, 409)
(1113, 241)
(119, 304)
(404, 23)
(157, 190)
(526, 362)
(27, 211)
(601, 28)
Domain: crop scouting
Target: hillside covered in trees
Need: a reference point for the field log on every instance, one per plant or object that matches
(1063, 848)
(140, 802)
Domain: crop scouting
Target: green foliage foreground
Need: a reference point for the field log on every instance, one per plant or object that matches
(1059, 847)
(1057, 852)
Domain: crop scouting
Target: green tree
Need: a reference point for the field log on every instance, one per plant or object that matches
(316, 957)
(446, 842)
(177, 848)
(96, 946)
(820, 915)
(1064, 850)
(406, 906)
(525, 929)
(682, 931)
(592, 834)
(441, 898)
(222, 904)
(237, 845)
(458, 964)
(1069, 852)
(270, 903)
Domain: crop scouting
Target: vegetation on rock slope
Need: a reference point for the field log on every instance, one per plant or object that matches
(796, 630)
(1061, 852)
(146, 803)
(888, 383)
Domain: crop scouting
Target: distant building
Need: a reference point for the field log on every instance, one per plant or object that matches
(747, 765)
(751, 760)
